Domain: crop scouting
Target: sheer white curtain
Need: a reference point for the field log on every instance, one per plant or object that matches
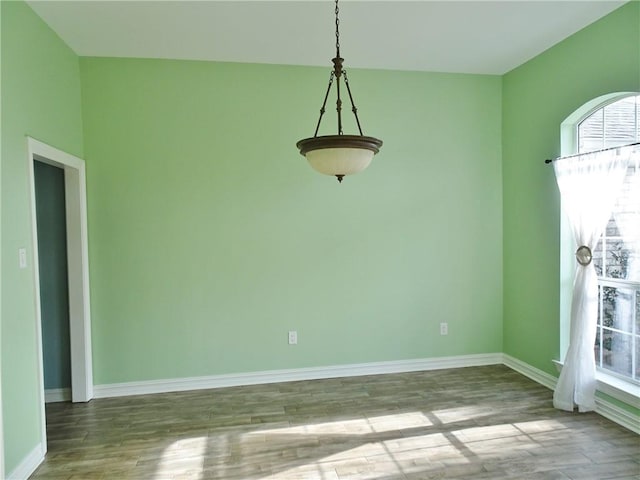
(589, 184)
(627, 217)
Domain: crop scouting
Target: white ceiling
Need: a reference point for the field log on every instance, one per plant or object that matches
(490, 37)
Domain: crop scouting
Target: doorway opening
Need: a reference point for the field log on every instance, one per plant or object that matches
(54, 282)
(72, 171)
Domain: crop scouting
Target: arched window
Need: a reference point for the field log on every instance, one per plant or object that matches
(617, 255)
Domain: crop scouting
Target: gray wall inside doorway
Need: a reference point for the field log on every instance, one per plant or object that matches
(54, 294)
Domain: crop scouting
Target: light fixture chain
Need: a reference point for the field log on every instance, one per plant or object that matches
(353, 105)
(324, 103)
(338, 103)
(337, 31)
(337, 67)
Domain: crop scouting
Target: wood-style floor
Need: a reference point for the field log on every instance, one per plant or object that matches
(468, 423)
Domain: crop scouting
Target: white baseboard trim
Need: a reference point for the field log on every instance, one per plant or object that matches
(618, 415)
(275, 376)
(28, 464)
(603, 407)
(535, 374)
(52, 395)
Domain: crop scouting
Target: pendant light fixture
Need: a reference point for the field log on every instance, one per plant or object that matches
(340, 154)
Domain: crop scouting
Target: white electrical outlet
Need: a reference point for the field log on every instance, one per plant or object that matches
(444, 329)
(293, 337)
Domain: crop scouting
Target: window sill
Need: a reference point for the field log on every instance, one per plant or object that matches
(615, 387)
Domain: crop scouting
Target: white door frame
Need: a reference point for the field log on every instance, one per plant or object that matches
(1, 432)
(78, 270)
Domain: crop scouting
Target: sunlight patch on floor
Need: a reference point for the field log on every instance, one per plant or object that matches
(420, 453)
(310, 471)
(183, 457)
(344, 451)
(361, 426)
(537, 426)
(371, 460)
(461, 414)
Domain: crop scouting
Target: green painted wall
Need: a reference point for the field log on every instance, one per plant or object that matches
(537, 96)
(52, 261)
(210, 236)
(40, 98)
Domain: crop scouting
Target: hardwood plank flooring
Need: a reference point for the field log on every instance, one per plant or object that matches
(468, 423)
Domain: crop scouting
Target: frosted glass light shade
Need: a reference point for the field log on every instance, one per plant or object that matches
(339, 161)
(339, 155)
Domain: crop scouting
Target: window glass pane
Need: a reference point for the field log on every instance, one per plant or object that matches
(620, 122)
(612, 229)
(617, 258)
(625, 304)
(638, 315)
(597, 258)
(599, 321)
(591, 132)
(616, 352)
(637, 372)
(608, 306)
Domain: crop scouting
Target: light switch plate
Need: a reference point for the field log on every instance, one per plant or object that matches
(22, 257)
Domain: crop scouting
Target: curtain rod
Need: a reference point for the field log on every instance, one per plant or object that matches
(550, 160)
